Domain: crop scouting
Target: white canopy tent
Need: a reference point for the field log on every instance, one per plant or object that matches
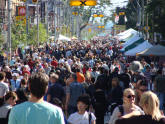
(133, 39)
(156, 50)
(141, 47)
(126, 34)
(64, 38)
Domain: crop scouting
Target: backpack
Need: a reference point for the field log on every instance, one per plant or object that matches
(114, 105)
(121, 109)
(90, 117)
(111, 108)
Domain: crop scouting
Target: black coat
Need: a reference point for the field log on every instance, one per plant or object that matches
(116, 95)
(142, 119)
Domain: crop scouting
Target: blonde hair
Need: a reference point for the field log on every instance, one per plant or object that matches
(151, 102)
(128, 90)
(88, 75)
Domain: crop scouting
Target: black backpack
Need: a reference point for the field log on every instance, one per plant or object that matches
(114, 105)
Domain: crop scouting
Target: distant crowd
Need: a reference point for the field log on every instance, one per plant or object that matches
(81, 82)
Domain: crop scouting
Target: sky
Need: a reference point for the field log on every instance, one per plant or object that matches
(108, 10)
(119, 3)
(116, 3)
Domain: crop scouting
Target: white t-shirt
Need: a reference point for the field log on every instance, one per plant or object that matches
(76, 118)
(4, 88)
(115, 114)
(163, 70)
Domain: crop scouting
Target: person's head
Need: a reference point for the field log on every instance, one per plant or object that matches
(159, 72)
(77, 70)
(136, 66)
(38, 84)
(115, 82)
(126, 70)
(116, 70)
(143, 87)
(88, 77)
(83, 102)
(6, 69)
(73, 77)
(41, 70)
(53, 77)
(128, 96)
(46, 65)
(26, 76)
(14, 76)
(147, 68)
(11, 98)
(150, 104)
(2, 76)
(23, 83)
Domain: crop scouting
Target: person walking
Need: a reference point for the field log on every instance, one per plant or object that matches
(73, 91)
(36, 110)
(82, 116)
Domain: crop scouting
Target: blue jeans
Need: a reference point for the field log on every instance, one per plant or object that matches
(161, 97)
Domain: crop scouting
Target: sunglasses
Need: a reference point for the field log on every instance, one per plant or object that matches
(130, 96)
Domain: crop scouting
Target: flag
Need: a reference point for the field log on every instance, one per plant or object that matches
(116, 19)
(125, 18)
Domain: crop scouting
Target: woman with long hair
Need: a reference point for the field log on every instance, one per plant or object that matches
(128, 108)
(150, 104)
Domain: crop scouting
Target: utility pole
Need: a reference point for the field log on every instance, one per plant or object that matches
(139, 12)
(47, 20)
(54, 21)
(9, 28)
(147, 35)
(78, 28)
(143, 17)
(38, 23)
(27, 26)
(72, 23)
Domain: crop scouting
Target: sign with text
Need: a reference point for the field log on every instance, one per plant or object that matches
(20, 10)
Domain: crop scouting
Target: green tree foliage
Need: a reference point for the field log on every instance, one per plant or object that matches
(156, 10)
(1, 37)
(32, 38)
(131, 14)
(18, 34)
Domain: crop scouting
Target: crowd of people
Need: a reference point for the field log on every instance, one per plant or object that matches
(79, 82)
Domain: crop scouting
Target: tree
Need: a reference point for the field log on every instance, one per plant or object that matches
(33, 34)
(131, 14)
(156, 10)
(1, 39)
(85, 13)
(18, 34)
(88, 12)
